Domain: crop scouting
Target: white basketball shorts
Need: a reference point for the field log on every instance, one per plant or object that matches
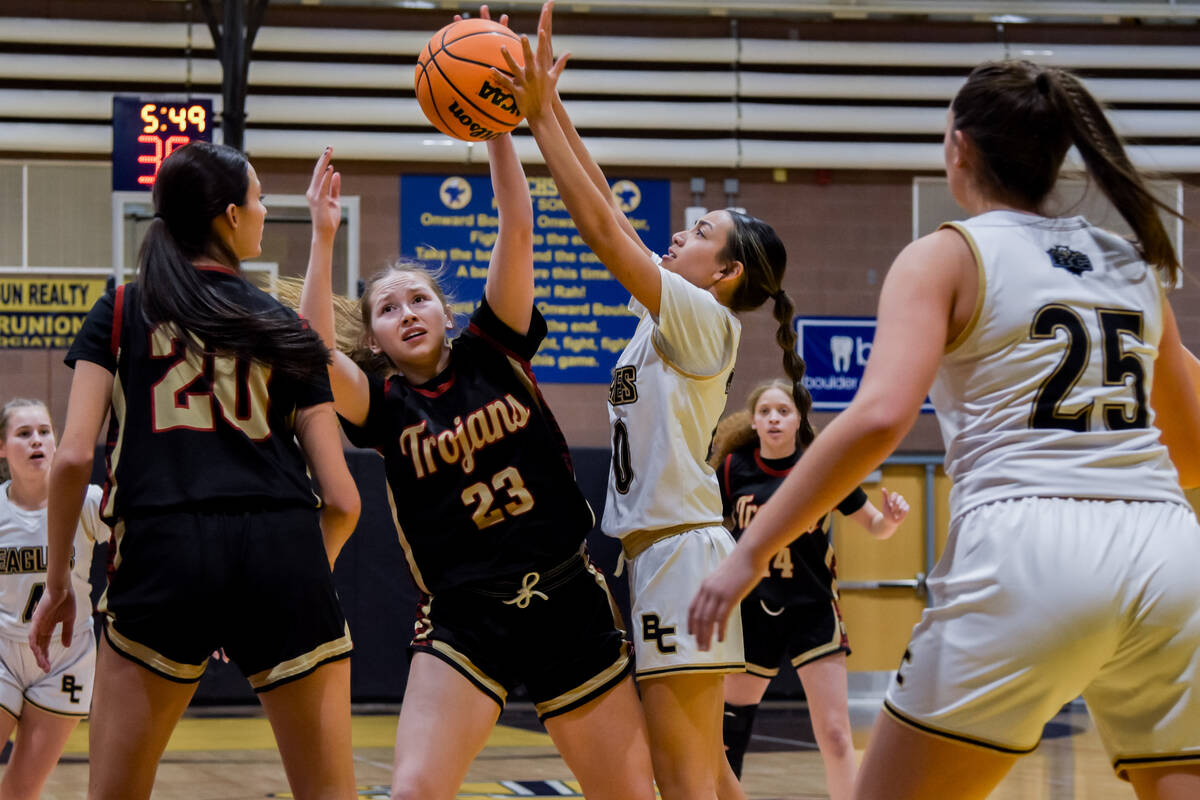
(663, 579)
(1037, 601)
(66, 690)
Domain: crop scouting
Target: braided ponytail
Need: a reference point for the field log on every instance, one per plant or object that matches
(793, 366)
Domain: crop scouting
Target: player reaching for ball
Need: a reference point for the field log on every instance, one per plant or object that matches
(667, 394)
(489, 515)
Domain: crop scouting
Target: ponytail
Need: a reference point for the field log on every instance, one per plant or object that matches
(793, 366)
(1107, 161)
(1023, 119)
(195, 186)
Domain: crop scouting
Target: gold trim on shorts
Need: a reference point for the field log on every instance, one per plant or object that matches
(10, 712)
(1122, 765)
(294, 667)
(55, 712)
(759, 671)
(683, 669)
(476, 674)
(635, 543)
(617, 668)
(817, 653)
(834, 645)
(956, 737)
(152, 659)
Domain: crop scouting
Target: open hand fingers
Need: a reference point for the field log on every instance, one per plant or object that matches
(322, 163)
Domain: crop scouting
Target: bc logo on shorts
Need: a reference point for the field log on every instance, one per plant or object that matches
(654, 631)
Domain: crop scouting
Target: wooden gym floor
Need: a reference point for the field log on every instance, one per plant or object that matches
(222, 756)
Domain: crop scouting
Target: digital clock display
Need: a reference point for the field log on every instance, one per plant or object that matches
(148, 129)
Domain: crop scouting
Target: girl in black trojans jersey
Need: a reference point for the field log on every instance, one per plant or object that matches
(793, 613)
(221, 542)
(490, 519)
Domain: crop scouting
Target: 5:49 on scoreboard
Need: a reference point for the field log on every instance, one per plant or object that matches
(147, 129)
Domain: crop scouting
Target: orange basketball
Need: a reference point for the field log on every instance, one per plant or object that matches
(454, 83)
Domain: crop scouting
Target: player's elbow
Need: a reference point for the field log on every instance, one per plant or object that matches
(70, 460)
(343, 504)
(883, 425)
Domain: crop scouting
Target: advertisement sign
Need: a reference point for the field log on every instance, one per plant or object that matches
(452, 221)
(835, 350)
(45, 312)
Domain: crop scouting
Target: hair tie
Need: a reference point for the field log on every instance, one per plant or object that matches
(159, 216)
(1042, 82)
(779, 296)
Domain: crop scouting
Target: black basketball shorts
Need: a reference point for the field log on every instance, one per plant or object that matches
(800, 633)
(256, 584)
(557, 632)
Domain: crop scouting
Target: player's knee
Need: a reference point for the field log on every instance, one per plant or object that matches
(418, 787)
(836, 742)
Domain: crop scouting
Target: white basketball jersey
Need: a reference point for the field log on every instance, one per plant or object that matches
(1046, 392)
(667, 394)
(23, 561)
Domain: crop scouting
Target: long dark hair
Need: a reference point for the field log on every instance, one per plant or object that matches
(764, 261)
(1023, 118)
(194, 186)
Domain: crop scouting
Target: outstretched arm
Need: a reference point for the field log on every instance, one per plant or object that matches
(349, 383)
(509, 287)
(882, 523)
(586, 198)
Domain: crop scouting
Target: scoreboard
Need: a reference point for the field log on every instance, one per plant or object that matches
(146, 130)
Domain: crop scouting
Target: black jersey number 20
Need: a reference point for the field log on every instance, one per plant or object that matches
(238, 388)
(1118, 366)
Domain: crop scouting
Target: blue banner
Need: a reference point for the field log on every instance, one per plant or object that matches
(452, 220)
(835, 351)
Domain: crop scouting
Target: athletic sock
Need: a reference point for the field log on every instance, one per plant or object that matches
(737, 722)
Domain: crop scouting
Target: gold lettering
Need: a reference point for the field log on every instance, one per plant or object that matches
(409, 440)
(447, 447)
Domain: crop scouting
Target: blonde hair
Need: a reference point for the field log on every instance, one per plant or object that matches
(5, 413)
(352, 318)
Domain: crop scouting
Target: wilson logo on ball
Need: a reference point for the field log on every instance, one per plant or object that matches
(453, 80)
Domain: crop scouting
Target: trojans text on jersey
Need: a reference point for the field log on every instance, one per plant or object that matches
(480, 428)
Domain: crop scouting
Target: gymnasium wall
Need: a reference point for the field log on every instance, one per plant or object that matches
(842, 223)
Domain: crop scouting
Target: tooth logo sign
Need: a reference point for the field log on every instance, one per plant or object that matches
(841, 348)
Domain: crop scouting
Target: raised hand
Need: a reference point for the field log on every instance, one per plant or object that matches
(895, 507)
(534, 83)
(485, 14)
(324, 196)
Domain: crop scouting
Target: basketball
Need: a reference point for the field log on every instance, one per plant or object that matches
(454, 83)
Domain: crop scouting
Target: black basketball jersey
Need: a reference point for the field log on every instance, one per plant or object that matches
(480, 477)
(802, 572)
(189, 432)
